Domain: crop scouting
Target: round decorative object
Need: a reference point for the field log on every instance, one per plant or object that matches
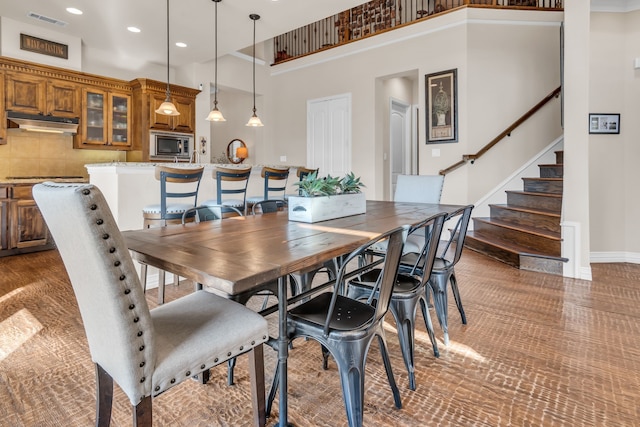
(237, 151)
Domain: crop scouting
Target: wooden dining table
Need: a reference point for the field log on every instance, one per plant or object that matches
(233, 256)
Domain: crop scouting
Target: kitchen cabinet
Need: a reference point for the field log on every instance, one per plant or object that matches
(23, 227)
(34, 94)
(185, 122)
(106, 120)
(3, 121)
(147, 96)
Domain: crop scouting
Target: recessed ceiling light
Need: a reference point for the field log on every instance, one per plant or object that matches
(74, 11)
(133, 29)
(181, 44)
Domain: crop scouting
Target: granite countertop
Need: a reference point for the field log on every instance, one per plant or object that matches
(38, 179)
(184, 165)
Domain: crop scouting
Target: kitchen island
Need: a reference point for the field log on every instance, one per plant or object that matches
(129, 186)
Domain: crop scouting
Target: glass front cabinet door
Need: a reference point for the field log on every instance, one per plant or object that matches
(106, 119)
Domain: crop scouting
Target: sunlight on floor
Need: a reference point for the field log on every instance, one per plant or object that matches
(16, 330)
(456, 347)
(10, 294)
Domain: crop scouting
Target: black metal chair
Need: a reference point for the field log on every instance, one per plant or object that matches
(345, 327)
(443, 269)
(267, 206)
(210, 212)
(409, 290)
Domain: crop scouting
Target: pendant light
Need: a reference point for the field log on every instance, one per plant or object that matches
(167, 108)
(215, 115)
(254, 121)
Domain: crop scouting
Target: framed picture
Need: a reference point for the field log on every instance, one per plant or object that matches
(442, 107)
(604, 123)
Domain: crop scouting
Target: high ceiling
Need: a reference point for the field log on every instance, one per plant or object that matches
(103, 25)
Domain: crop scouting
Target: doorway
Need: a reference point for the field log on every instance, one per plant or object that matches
(400, 158)
(329, 135)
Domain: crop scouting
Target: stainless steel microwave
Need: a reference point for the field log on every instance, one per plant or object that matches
(171, 146)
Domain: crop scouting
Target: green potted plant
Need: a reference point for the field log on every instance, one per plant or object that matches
(313, 186)
(324, 198)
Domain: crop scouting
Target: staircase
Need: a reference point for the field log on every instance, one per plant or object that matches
(525, 233)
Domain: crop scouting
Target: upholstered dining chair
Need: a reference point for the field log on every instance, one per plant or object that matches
(275, 185)
(418, 189)
(146, 352)
(443, 268)
(346, 327)
(409, 290)
(231, 187)
(178, 193)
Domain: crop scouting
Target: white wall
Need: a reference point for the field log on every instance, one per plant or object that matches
(10, 44)
(496, 53)
(515, 65)
(613, 171)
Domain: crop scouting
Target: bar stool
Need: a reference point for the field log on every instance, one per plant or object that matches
(168, 211)
(275, 185)
(237, 180)
(301, 173)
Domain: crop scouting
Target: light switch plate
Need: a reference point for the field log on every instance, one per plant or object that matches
(283, 158)
(435, 152)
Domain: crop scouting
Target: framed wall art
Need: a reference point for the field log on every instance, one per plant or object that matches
(604, 123)
(442, 107)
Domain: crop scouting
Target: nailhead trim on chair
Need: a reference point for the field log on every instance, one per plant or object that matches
(127, 290)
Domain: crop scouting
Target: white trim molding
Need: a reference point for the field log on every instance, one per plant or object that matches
(618, 6)
(602, 257)
(571, 242)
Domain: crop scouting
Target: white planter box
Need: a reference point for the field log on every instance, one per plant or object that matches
(314, 209)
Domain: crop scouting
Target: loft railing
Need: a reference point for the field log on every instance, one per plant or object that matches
(507, 132)
(378, 16)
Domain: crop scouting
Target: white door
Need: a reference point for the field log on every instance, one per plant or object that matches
(399, 142)
(329, 135)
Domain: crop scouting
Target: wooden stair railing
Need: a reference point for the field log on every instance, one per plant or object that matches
(507, 132)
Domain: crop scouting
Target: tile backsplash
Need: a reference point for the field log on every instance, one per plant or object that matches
(41, 154)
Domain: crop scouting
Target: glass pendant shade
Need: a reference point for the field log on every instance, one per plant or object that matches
(254, 121)
(167, 108)
(215, 115)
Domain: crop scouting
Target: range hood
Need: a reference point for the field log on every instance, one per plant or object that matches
(42, 123)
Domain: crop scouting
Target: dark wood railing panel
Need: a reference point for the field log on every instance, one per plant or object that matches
(376, 17)
(473, 157)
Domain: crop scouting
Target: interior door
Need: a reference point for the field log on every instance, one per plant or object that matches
(399, 142)
(329, 135)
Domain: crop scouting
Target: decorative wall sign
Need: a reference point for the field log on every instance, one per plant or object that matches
(44, 47)
(604, 123)
(442, 107)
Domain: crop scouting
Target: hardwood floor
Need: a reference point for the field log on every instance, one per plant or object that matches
(539, 350)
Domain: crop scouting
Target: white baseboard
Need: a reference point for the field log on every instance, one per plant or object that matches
(602, 257)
